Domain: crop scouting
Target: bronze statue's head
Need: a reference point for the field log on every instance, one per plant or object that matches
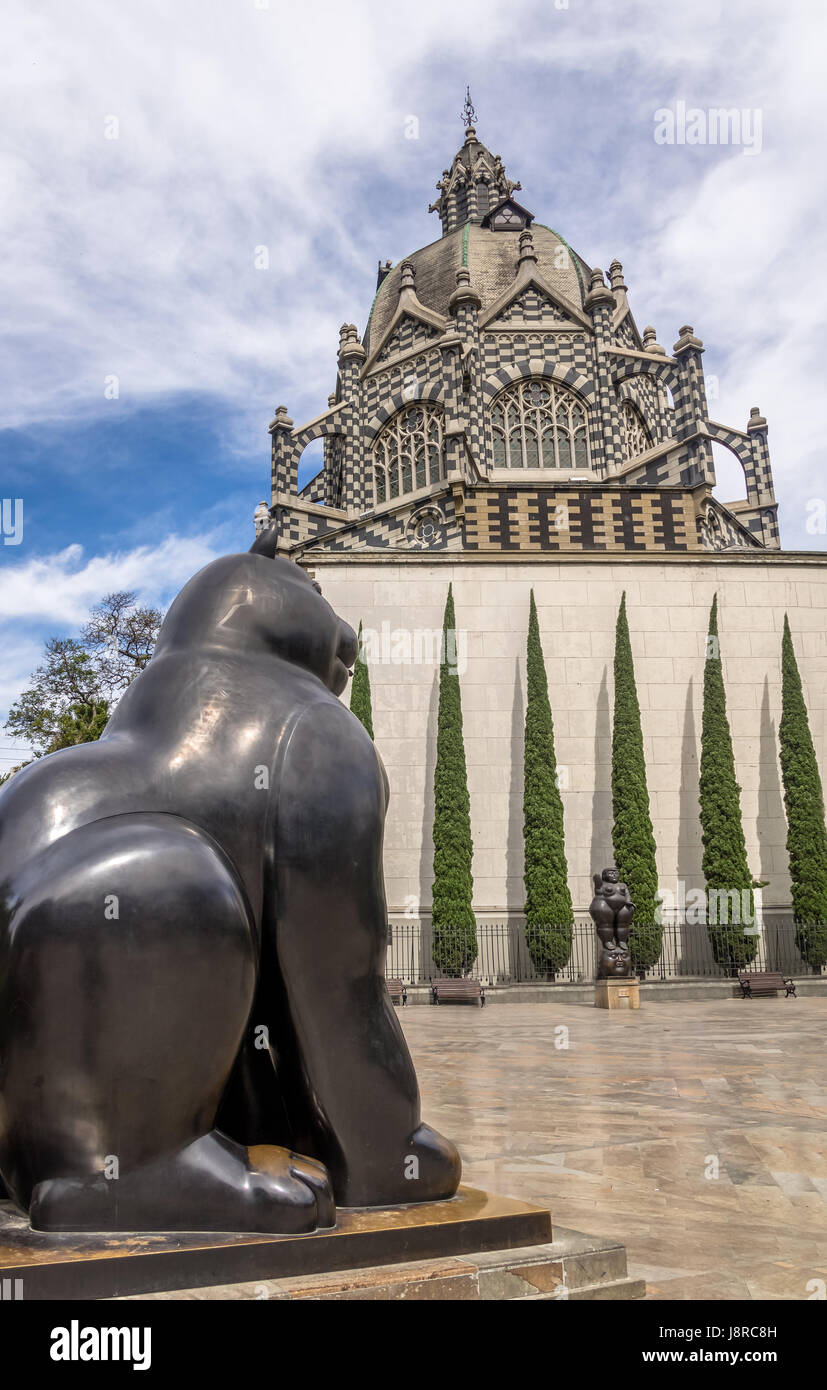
(610, 875)
(260, 605)
(617, 959)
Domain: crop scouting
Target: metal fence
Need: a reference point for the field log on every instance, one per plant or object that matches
(504, 953)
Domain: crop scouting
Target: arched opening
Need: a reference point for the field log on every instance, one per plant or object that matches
(409, 452)
(730, 483)
(636, 436)
(311, 462)
(462, 202)
(537, 423)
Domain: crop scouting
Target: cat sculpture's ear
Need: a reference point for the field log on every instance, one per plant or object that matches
(267, 542)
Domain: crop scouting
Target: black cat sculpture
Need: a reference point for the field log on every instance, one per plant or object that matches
(195, 1031)
(612, 910)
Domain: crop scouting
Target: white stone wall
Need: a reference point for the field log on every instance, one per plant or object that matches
(668, 603)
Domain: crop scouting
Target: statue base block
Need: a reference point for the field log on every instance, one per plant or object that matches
(617, 993)
(43, 1266)
(571, 1267)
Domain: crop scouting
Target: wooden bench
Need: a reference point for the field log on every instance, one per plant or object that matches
(397, 991)
(754, 982)
(452, 991)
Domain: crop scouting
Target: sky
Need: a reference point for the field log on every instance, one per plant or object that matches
(194, 197)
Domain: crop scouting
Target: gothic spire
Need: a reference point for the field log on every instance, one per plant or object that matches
(476, 181)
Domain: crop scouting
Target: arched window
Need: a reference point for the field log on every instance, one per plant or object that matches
(409, 452)
(482, 198)
(462, 202)
(636, 436)
(539, 424)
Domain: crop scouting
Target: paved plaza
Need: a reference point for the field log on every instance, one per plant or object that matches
(618, 1130)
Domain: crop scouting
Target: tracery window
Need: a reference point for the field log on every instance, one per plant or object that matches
(409, 452)
(482, 198)
(637, 438)
(539, 424)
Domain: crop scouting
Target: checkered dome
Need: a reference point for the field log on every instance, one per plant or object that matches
(496, 352)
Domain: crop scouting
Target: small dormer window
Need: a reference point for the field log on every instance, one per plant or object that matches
(507, 216)
(508, 219)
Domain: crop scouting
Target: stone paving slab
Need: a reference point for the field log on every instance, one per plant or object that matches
(691, 1133)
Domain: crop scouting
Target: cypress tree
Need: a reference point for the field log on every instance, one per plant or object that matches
(725, 865)
(548, 911)
(804, 800)
(455, 936)
(360, 702)
(632, 836)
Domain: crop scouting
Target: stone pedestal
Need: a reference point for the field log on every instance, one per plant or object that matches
(570, 1267)
(623, 993)
(36, 1265)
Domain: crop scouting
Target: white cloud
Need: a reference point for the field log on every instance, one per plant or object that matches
(242, 126)
(52, 596)
(60, 589)
(134, 256)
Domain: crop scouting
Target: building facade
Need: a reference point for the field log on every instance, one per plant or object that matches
(502, 425)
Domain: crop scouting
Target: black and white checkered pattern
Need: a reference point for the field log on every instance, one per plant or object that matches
(465, 368)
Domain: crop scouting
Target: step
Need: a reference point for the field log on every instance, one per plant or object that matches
(572, 1266)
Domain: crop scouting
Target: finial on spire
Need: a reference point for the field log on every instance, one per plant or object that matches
(468, 115)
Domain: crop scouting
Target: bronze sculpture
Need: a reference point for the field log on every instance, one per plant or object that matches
(195, 1032)
(612, 910)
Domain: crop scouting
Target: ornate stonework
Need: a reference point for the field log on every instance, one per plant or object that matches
(503, 390)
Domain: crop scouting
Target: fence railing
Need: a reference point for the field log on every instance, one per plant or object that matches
(508, 953)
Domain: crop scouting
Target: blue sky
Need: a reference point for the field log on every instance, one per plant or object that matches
(242, 124)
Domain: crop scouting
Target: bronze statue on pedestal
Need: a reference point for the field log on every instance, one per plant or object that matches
(612, 910)
(195, 1030)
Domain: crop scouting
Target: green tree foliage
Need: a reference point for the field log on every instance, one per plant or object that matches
(81, 724)
(729, 883)
(360, 702)
(78, 681)
(804, 800)
(120, 638)
(66, 678)
(548, 910)
(632, 837)
(454, 924)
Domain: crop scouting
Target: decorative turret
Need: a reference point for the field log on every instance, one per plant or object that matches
(599, 297)
(650, 343)
(616, 277)
(623, 324)
(464, 294)
(527, 253)
(476, 182)
(284, 471)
